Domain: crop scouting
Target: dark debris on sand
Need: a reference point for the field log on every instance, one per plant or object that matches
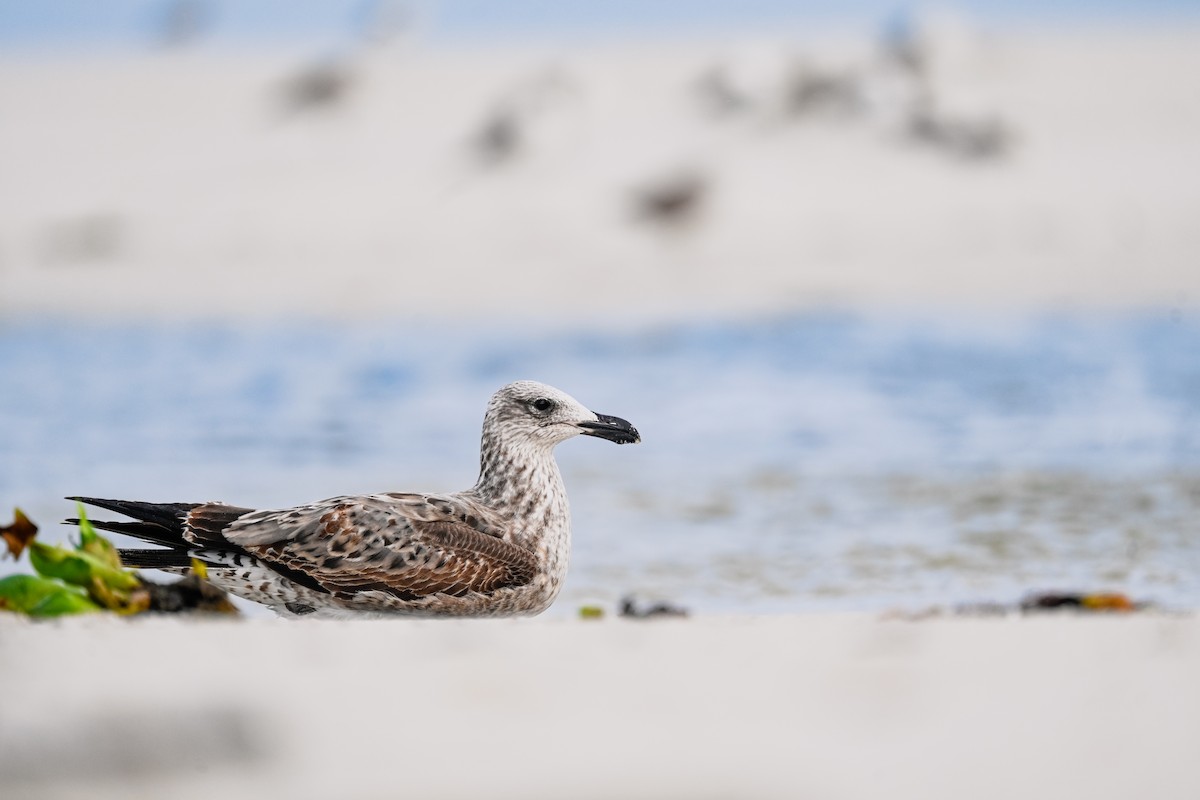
(1041, 602)
(186, 595)
(630, 608)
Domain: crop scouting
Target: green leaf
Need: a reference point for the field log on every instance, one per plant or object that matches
(591, 612)
(94, 544)
(78, 568)
(42, 597)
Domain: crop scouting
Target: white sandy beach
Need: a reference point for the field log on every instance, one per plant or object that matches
(788, 707)
(170, 184)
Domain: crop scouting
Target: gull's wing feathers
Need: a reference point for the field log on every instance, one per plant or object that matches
(408, 546)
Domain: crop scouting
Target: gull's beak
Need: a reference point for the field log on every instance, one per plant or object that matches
(614, 429)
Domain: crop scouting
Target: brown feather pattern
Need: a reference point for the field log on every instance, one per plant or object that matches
(410, 550)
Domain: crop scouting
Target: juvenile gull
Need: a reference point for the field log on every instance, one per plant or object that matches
(499, 548)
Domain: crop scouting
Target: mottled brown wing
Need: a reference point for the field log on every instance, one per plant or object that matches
(207, 523)
(409, 549)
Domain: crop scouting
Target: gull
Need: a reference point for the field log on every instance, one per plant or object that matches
(499, 548)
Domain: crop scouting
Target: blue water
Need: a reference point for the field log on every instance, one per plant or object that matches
(796, 463)
(84, 23)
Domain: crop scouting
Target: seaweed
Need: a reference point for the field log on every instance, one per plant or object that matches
(89, 578)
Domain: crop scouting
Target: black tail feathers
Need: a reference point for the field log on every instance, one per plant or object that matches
(164, 524)
(166, 515)
(157, 523)
(155, 559)
(145, 531)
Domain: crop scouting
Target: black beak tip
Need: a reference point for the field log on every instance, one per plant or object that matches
(614, 429)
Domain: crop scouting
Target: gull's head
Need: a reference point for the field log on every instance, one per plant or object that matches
(534, 413)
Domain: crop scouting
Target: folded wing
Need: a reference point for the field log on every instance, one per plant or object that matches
(407, 546)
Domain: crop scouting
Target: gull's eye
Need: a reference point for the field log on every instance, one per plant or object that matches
(543, 404)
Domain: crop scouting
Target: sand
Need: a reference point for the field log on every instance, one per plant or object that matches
(170, 184)
(789, 707)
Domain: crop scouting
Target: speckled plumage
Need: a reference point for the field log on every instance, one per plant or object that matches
(500, 548)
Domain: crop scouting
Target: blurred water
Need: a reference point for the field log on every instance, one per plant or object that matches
(819, 461)
(79, 23)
